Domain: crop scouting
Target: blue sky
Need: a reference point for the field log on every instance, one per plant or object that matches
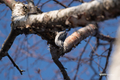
(25, 46)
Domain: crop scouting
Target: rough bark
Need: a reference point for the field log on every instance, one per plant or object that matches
(47, 24)
(74, 16)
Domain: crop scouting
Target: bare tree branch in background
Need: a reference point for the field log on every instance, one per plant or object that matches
(28, 19)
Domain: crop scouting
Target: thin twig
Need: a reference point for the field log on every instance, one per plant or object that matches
(104, 37)
(60, 3)
(15, 65)
(91, 57)
(38, 2)
(44, 4)
(80, 57)
(107, 60)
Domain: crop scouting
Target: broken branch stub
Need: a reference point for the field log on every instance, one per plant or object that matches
(74, 39)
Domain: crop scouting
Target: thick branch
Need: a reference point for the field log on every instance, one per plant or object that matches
(48, 23)
(9, 3)
(8, 43)
(98, 10)
(1, 1)
(79, 35)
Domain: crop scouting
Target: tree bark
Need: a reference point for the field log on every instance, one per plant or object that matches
(46, 24)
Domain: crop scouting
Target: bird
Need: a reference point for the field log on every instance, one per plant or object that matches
(60, 38)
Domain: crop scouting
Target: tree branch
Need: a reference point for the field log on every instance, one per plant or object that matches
(46, 24)
(9, 3)
(75, 16)
(70, 42)
(80, 57)
(60, 3)
(8, 43)
(74, 39)
(62, 69)
(1, 1)
(15, 65)
(105, 38)
(107, 60)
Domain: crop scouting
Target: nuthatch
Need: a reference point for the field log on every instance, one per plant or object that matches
(60, 38)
